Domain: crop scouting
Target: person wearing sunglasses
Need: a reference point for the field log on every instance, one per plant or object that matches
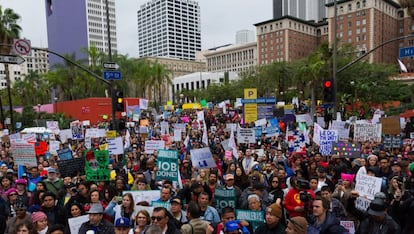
(161, 218)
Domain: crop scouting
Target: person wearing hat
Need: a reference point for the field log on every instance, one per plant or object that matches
(322, 220)
(272, 221)
(378, 221)
(22, 216)
(96, 222)
(39, 220)
(229, 185)
(53, 183)
(21, 191)
(122, 225)
(177, 211)
(11, 195)
(321, 172)
(196, 225)
(296, 225)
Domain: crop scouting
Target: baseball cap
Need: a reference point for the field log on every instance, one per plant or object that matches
(231, 226)
(229, 176)
(175, 200)
(96, 209)
(51, 170)
(122, 222)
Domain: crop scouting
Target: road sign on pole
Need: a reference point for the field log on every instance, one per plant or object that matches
(21, 46)
(112, 75)
(11, 59)
(110, 66)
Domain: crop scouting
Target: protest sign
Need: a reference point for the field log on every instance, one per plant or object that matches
(396, 142)
(76, 222)
(224, 197)
(317, 133)
(346, 150)
(40, 148)
(167, 164)
(164, 128)
(246, 135)
(202, 158)
(29, 137)
(342, 128)
(255, 218)
(177, 134)
(54, 146)
(367, 185)
(96, 165)
(53, 125)
(144, 195)
(71, 167)
(24, 154)
(64, 154)
(115, 146)
(367, 132)
(260, 122)
(231, 126)
(110, 134)
(327, 138)
(65, 134)
(225, 144)
(362, 203)
(272, 131)
(166, 205)
(258, 132)
(77, 130)
(152, 145)
(304, 118)
(391, 125)
(181, 126)
(349, 226)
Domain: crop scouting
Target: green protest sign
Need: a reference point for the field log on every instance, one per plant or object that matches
(255, 218)
(224, 197)
(167, 163)
(166, 205)
(96, 165)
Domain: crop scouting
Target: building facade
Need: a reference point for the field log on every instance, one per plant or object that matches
(74, 25)
(169, 28)
(235, 58)
(245, 36)
(303, 9)
(288, 39)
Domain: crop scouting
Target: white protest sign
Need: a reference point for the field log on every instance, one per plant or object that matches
(246, 135)
(95, 132)
(181, 126)
(115, 146)
(260, 122)
(164, 128)
(53, 125)
(362, 203)
(304, 118)
(24, 154)
(177, 134)
(317, 134)
(231, 126)
(65, 134)
(200, 115)
(225, 144)
(88, 142)
(342, 128)
(53, 146)
(14, 136)
(367, 185)
(144, 195)
(29, 137)
(349, 226)
(152, 145)
(327, 137)
(86, 123)
(202, 158)
(367, 132)
(75, 223)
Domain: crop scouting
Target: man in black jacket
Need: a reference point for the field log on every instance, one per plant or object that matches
(322, 221)
(96, 222)
(56, 214)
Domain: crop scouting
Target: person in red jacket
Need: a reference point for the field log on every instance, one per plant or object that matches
(296, 198)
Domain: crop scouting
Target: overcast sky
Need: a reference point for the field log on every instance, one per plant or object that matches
(220, 20)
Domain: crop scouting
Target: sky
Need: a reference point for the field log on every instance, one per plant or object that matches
(220, 20)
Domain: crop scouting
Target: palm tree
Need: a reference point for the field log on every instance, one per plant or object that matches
(9, 30)
(161, 76)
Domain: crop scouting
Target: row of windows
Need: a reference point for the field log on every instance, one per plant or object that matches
(190, 85)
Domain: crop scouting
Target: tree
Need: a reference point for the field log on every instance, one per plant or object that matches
(9, 30)
(162, 80)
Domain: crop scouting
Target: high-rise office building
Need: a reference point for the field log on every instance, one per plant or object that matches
(302, 9)
(73, 25)
(245, 36)
(169, 28)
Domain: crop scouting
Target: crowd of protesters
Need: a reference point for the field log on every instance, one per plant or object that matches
(298, 192)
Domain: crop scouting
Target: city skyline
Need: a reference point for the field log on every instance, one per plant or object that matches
(220, 20)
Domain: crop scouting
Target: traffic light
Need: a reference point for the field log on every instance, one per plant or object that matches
(119, 101)
(328, 91)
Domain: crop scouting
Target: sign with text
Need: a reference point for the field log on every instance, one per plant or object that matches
(144, 195)
(64, 154)
(342, 128)
(367, 132)
(255, 218)
(115, 146)
(167, 164)
(246, 135)
(346, 150)
(202, 158)
(77, 130)
(95, 132)
(24, 154)
(97, 165)
(367, 185)
(224, 197)
(327, 138)
(362, 203)
(166, 205)
(76, 222)
(349, 226)
(391, 125)
(71, 167)
(152, 145)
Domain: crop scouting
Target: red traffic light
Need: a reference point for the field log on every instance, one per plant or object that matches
(327, 84)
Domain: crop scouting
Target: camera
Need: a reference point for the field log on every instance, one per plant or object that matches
(74, 190)
(304, 196)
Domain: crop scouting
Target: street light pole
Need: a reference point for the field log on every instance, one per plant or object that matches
(335, 51)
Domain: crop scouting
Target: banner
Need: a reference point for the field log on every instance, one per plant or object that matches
(167, 164)
(224, 197)
(152, 145)
(367, 185)
(367, 132)
(24, 154)
(246, 135)
(202, 158)
(97, 165)
(255, 218)
(64, 154)
(346, 150)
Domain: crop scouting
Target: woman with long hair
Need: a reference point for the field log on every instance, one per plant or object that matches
(76, 210)
(122, 208)
(36, 201)
(40, 225)
(142, 221)
(241, 179)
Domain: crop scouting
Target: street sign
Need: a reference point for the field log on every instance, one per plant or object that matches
(112, 75)
(21, 46)
(11, 59)
(110, 65)
(407, 52)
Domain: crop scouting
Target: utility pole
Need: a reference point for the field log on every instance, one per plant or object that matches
(335, 52)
